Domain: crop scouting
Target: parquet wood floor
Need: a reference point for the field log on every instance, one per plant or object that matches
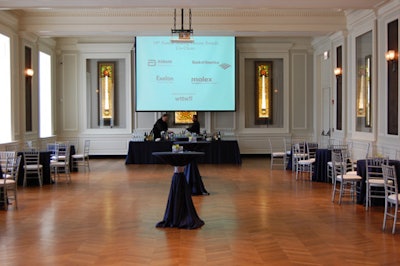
(253, 216)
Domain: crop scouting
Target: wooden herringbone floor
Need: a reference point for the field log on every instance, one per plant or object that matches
(253, 216)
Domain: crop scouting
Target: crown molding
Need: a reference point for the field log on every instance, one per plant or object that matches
(132, 22)
(28, 36)
(9, 19)
(162, 12)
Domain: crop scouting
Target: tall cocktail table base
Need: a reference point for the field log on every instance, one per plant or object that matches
(180, 211)
(194, 179)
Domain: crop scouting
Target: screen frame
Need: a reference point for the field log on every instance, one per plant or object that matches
(235, 83)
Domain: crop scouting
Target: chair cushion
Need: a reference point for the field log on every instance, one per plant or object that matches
(392, 198)
(77, 156)
(349, 177)
(351, 173)
(300, 155)
(6, 176)
(57, 163)
(375, 182)
(59, 157)
(33, 166)
(8, 181)
(309, 161)
(278, 154)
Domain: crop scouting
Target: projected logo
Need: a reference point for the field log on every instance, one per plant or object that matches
(159, 62)
(202, 80)
(224, 66)
(151, 62)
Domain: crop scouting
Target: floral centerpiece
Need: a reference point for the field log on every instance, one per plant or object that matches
(177, 148)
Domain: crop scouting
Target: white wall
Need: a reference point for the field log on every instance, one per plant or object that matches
(360, 22)
(295, 52)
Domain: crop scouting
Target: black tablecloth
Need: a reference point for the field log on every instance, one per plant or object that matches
(362, 171)
(44, 160)
(322, 157)
(141, 152)
(224, 151)
(193, 178)
(177, 158)
(1, 191)
(216, 152)
(72, 164)
(180, 211)
(192, 172)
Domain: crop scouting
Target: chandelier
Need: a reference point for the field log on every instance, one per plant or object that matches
(182, 34)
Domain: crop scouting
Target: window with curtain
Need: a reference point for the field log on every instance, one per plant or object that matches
(5, 89)
(45, 106)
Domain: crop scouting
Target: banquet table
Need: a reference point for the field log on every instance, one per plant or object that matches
(44, 160)
(215, 152)
(322, 157)
(180, 211)
(1, 191)
(362, 171)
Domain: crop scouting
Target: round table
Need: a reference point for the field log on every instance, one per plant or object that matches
(322, 157)
(362, 171)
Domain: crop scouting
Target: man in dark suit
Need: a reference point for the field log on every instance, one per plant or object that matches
(160, 125)
(195, 127)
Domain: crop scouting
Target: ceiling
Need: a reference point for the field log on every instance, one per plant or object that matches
(248, 4)
(72, 18)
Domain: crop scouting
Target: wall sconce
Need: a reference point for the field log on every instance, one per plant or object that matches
(391, 57)
(326, 55)
(29, 72)
(337, 71)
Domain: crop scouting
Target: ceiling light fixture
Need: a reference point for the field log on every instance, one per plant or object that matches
(326, 55)
(182, 34)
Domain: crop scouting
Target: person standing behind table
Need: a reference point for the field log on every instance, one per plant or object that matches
(160, 125)
(195, 127)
